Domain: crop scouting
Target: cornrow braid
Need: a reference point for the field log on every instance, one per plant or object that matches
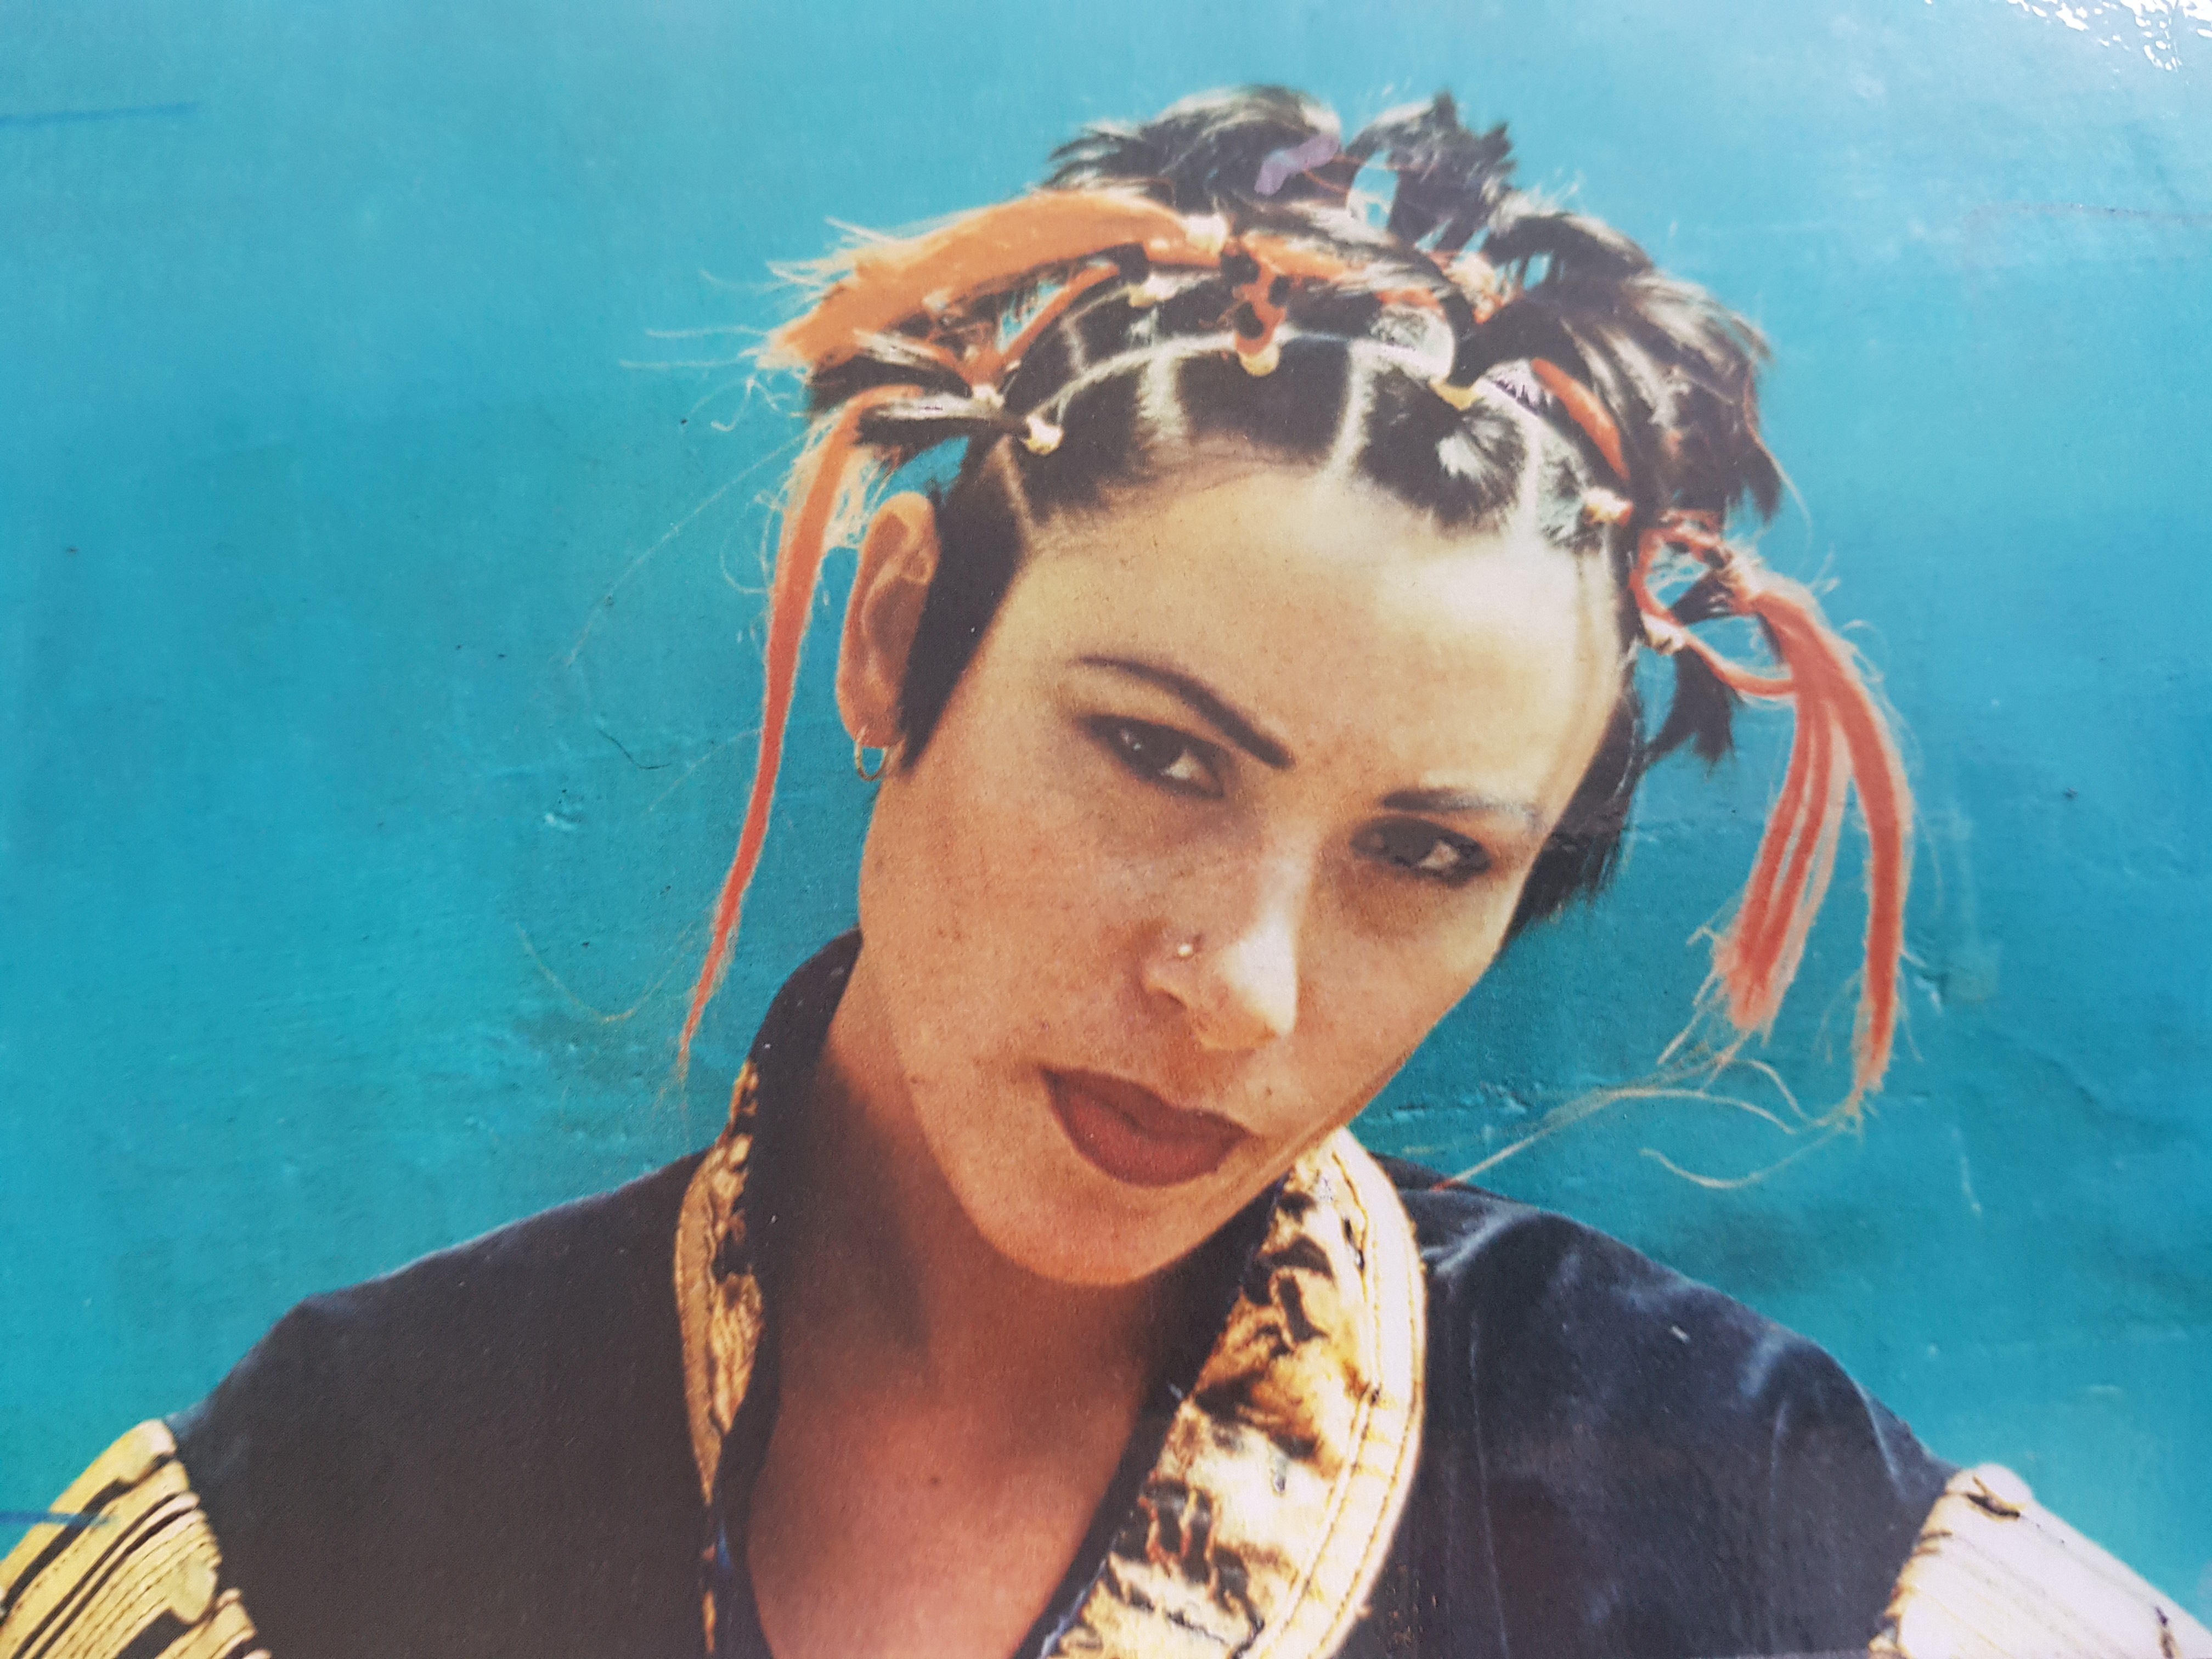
(1216, 273)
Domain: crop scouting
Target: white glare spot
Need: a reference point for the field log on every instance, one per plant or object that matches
(2153, 22)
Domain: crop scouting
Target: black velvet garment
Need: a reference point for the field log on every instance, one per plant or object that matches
(487, 1452)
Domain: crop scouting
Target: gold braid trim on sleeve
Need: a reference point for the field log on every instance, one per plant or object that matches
(134, 1569)
(1996, 1575)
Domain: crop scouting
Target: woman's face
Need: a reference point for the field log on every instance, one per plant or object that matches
(1233, 804)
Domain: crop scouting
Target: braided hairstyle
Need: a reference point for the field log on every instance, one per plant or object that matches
(1216, 273)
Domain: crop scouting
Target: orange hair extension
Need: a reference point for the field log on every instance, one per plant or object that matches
(1584, 410)
(1257, 350)
(822, 480)
(880, 285)
(1842, 741)
(997, 361)
(879, 288)
(1279, 260)
(986, 252)
(883, 289)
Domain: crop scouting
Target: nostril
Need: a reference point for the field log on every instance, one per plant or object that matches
(1234, 996)
(1247, 995)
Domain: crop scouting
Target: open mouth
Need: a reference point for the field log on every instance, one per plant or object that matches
(1132, 1134)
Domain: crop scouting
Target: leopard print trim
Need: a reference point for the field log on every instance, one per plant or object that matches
(1262, 1527)
(718, 1298)
(1266, 1520)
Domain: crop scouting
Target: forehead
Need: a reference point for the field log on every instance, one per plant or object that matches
(1332, 610)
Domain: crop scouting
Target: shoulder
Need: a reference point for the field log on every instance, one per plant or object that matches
(475, 1427)
(469, 1342)
(476, 1318)
(1546, 1314)
(1657, 1453)
(1587, 1321)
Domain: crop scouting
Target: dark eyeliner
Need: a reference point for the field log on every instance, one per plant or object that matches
(1394, 841)
(1136, 744)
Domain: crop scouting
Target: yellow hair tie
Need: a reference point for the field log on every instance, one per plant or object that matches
(1460, 398)
(1263, 361)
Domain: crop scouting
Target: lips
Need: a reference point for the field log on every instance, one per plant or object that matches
(1130, 1134)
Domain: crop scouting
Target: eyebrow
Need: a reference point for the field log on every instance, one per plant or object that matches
(1208, 704)
(1459, 801)
(1202, 700)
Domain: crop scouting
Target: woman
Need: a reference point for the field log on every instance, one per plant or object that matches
(1268, 665)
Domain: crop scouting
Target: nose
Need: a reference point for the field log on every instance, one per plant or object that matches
(1233, 967)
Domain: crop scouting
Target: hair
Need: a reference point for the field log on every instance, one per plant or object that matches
(1217, 274)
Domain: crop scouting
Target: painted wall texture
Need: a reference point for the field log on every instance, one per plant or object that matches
(382, 518)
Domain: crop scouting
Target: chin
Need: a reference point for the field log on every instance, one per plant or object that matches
(1073, 1226)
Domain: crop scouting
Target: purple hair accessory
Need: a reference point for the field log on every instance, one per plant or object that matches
(1283, 164)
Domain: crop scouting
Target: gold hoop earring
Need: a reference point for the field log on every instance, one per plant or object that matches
(889, 754)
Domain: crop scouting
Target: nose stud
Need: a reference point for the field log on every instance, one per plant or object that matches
(1187, 950)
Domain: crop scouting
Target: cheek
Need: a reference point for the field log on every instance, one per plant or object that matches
(1373, 1006)
(1374, 995)
(988, 877)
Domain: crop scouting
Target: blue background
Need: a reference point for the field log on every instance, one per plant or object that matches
(377, 645)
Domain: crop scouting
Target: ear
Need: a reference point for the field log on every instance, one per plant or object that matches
(898, 561)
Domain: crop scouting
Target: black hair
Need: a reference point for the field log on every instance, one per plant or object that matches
(1129, 380)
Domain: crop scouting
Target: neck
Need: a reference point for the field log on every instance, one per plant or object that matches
(890, 1290)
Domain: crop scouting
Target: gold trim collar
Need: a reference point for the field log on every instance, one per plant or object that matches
(1263, 1524)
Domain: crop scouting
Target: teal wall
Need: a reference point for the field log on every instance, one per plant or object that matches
(376, 670)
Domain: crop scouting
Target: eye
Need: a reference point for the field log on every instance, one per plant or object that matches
(1423, 849)
(1160, 754)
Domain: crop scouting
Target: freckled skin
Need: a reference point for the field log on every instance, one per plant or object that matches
(1022, 894)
